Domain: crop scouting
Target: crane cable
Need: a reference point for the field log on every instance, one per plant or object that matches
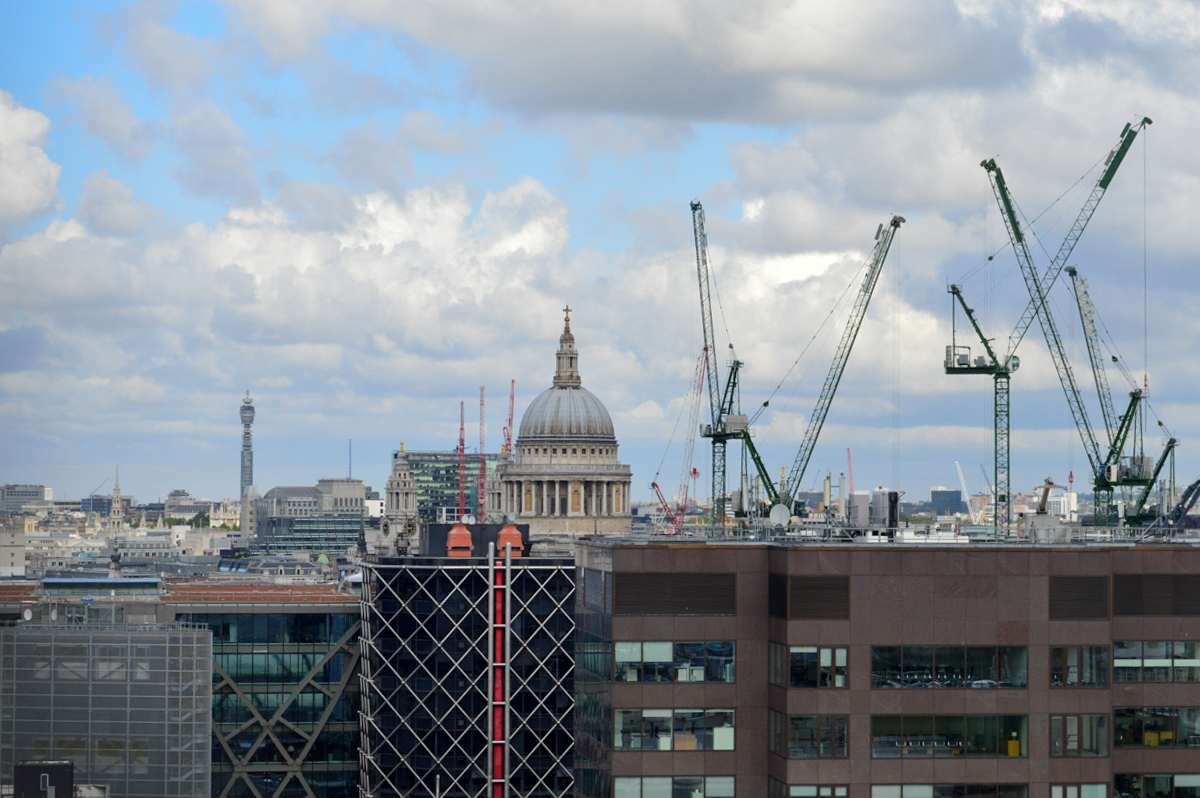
(807, 346)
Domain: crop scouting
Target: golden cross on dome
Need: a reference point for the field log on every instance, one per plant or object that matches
(567, 310)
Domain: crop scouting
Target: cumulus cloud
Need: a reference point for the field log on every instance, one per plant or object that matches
(770, 60)
(166, 58)
(107, 207)
(104, 114)
(217, 161)
(29, 177)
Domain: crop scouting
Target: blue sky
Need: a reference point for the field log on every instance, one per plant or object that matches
(363, 211)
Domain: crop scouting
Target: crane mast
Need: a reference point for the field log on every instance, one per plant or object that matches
(1045, 318)
(1087, 318)
(883, 242)
(721, 398)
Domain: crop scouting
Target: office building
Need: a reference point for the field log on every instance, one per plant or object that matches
(945, 501)
(126, 701)
(284, 686)
(280, 675)
(887, 671)
(467, 674)
(435, 477)
(14, 497)
(331, 532)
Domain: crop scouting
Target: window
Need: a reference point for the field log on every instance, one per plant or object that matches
(1156, 661)
(949, 791)
(1078, 791)
(948, 735)
(651, 661)
(1078, 735)
(808, 666)
(673, 730)
(1156, 727)
(808, 736)
(673, 787)
(777, 789)
(1181, 785)
(948, 666)
(1079, 666)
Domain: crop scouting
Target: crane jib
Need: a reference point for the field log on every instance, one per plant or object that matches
(833, 378)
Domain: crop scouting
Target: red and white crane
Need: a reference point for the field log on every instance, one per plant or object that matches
(481, 489)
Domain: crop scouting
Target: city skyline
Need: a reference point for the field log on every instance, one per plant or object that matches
(363, 216)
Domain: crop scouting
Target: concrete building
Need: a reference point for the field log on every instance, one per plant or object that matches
(566, 477)
(400, 509)
(14, 497)
(12, 551)
(882, 671)
(276, 693)
(124, 698)
(467, 675)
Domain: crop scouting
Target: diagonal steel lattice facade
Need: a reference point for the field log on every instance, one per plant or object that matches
(467, 678)
(284, 702)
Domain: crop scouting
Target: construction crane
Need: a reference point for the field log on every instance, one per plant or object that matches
(883, 242)
(962, 481)
(850, 469)
(726, 425)
(1087, 319)
(462, 460)
(958, 360)
(509, 455)
(481, 487)
(676, 514)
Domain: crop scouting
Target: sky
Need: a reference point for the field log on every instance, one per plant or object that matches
(363, 211)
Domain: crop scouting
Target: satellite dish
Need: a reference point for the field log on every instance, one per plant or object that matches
(780, 515)
(28, 614)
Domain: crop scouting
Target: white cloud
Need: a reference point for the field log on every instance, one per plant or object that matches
(105, 114)
(29, 177)
(107, 207)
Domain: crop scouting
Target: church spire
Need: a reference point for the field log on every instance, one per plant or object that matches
(566, 372)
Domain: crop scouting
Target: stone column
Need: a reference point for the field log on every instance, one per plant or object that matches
(607, 498)
(557, 498)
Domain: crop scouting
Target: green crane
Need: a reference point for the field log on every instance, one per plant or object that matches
(1001, 368)
(883, 242)
(1037, 286)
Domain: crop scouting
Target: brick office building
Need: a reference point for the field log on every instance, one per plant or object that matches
(887, 671)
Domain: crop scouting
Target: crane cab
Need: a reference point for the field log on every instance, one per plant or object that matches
(458, 542)
(509, 535)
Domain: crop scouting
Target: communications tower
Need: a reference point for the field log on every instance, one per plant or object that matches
(247, 414)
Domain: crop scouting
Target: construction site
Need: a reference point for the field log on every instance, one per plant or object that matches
(1130, 451)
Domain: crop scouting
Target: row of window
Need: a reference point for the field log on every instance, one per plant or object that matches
(673, 730)
(948, 735)
(1156, 727)
(652, 661)
(950, 791)
(1156, 661)
(274, 628)
(777, 789)
(948, 666)
(1180, 785)
(673, 787)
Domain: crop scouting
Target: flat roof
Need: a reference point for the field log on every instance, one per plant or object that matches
(255, 593)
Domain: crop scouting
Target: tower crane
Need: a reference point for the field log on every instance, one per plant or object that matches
(958, 359)
(883, 242)
(725, 425)
(509, 456)
(1087, 319)
(1108, 470)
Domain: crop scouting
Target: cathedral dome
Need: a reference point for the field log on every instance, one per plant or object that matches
(567, 412)
(567, 409)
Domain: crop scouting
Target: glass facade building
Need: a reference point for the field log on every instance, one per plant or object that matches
(284, 698)
(435, 475)
(467, 677)
(128, 704)
(332, 531)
